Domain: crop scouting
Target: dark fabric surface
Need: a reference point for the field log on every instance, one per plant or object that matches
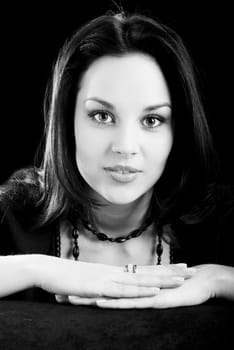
(33, 325)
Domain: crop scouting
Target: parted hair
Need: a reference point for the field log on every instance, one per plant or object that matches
(186, 188)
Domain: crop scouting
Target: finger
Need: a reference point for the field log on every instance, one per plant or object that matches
(82, 301)
(191, 271)
(150, 280)
(165, 269)
(61, 298)
(170, 269)
(174, 298)
(167, 298)
(119, 290)
(134, 303)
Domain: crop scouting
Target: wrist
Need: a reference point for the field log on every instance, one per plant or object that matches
(16, 273)
(224, 282)
(39, 268)
(34, 268)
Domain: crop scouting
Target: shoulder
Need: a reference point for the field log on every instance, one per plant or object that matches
(220, 206)
(211, 239)
(21, 193)
(20, 212)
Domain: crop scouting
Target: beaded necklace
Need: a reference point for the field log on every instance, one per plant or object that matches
(121, 239)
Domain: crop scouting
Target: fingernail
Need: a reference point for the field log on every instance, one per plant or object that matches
(191, 269)
(102, 301)
(178, 279)
(182, 265)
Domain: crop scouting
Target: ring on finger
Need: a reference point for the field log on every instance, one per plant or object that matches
(130, 268)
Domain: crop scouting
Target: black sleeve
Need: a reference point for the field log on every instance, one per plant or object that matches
(6, 245)
(225, 237)
(16, 237)
(210, 241)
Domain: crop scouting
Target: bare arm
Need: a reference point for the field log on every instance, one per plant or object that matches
(15, 274)
(68, 277)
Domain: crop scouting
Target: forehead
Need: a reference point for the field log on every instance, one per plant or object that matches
(133, 76)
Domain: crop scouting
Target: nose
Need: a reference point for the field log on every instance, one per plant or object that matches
(125, 142)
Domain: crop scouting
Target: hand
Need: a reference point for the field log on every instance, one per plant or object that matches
(68, 277)
(148, 279)
(195, 290)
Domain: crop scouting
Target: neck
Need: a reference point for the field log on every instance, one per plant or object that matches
(120, 219)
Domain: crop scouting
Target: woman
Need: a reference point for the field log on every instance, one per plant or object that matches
(126, 197)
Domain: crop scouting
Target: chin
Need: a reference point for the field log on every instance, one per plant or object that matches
(121, 199)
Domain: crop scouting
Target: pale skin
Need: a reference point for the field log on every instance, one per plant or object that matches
(136, 131)
(120, 137)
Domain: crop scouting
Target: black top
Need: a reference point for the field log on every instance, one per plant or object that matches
(211, 241)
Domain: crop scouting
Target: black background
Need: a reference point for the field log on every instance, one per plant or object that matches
(32, 34)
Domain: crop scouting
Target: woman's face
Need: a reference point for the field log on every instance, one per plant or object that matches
(123, 118)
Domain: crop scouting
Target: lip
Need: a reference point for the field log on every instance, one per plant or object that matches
(122, 177)
(123, 169)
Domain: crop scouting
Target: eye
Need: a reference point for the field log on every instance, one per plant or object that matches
(153, 121)
(100, 117)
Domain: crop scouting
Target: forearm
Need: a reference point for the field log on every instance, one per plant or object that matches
(225, 282)
(16, 273)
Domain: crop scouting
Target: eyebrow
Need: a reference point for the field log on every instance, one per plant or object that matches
(111, 106)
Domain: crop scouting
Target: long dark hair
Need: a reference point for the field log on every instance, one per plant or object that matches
(186, 186)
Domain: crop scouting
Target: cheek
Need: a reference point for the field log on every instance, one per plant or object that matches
(160, 147)
(158, 151)
(88, 146)
(83, 148)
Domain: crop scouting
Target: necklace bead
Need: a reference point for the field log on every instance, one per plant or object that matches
(121, 239)
(75, 250)
(103, 237)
